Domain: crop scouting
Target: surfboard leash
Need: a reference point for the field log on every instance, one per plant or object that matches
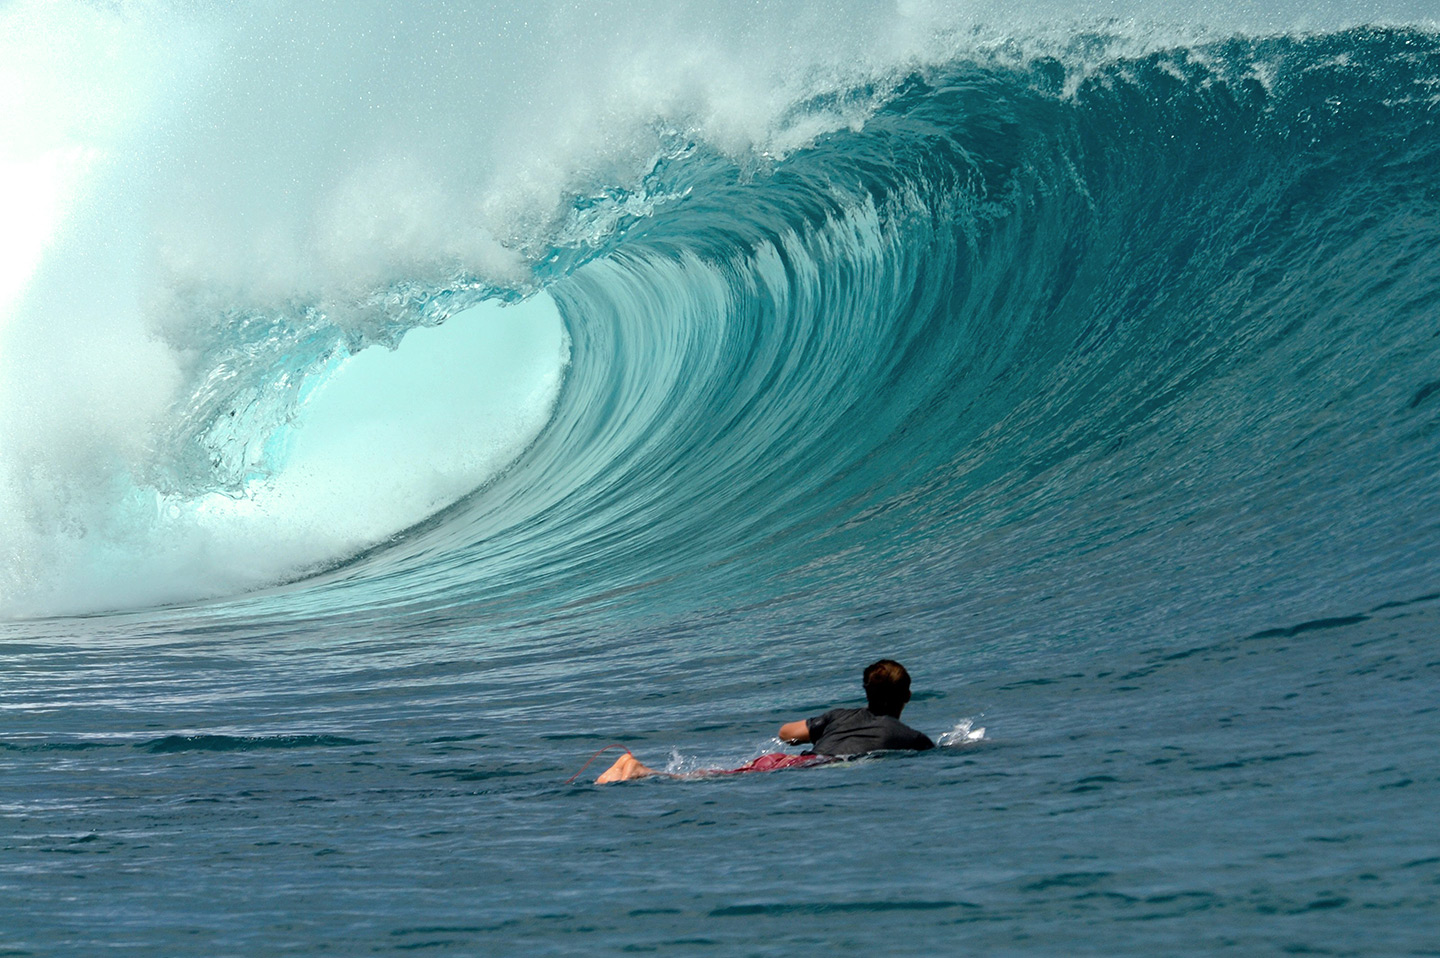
(593, 758)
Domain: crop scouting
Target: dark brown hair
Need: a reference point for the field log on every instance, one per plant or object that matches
(887, 687)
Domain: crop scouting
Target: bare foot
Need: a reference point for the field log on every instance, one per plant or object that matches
(625, 768)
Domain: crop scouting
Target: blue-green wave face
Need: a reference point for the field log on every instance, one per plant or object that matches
(1147, 327)
(1165, 327)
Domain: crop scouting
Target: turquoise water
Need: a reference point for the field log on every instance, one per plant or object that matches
(1093, 375)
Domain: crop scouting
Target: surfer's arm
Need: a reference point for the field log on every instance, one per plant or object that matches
(795, 733)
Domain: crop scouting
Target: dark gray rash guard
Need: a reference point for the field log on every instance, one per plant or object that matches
(857, 731)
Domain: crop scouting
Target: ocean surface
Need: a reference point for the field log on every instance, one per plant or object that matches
(399, 406)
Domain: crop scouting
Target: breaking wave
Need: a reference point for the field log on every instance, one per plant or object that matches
(1142, 322)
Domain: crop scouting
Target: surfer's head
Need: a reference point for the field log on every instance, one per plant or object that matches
(887, 687)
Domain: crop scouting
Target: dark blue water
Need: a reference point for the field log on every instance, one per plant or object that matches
(1103, 396)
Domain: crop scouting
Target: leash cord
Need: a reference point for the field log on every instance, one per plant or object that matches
(593, 758)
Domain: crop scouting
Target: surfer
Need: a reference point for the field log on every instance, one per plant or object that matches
(836, 734)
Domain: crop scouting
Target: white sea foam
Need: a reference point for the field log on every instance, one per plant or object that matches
(965, 732)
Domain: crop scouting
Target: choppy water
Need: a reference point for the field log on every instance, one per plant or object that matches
(1095, 375)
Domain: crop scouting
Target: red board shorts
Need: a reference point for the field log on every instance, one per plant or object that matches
(774, 762)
